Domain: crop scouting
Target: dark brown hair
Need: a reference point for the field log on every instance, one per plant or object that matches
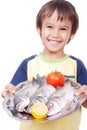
(65, 11)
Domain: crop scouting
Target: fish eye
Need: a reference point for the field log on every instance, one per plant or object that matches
(50, 105)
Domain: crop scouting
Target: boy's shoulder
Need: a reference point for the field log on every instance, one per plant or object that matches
(80, 64)
(78, 60)
(26, 60)
(81, 71)
(29, 58)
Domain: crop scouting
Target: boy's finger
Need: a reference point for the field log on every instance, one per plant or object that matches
(82, 90)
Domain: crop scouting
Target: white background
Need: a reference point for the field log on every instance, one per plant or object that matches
(19, 39)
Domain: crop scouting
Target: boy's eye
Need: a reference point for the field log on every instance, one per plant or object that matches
(49, 26)
(63, 29)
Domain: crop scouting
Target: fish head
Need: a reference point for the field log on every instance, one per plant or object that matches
(20, 102)
(53, 107)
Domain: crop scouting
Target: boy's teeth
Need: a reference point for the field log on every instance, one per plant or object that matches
(54, 42)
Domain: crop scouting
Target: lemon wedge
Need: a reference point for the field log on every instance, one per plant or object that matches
(39, 110)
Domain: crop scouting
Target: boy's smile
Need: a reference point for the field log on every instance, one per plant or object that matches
(55, 33)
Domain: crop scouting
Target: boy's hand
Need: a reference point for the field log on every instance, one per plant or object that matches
(9, 89)
(82, 91)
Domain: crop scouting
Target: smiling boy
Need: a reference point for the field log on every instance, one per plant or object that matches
(57, 23)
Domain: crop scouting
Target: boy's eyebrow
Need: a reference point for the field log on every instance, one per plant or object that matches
(48, 23)
(64, 26)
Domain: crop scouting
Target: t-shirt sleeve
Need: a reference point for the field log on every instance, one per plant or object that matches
(21, 73)
(81, 73)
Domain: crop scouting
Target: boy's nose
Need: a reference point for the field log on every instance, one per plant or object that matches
(56, 33)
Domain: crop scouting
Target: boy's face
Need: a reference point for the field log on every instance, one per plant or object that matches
(55, 34)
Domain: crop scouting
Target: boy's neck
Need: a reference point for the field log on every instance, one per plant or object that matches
(53, 55)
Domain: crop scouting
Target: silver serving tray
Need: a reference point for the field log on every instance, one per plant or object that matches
(8, 105)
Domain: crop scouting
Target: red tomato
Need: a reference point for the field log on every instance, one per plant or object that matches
(55, 79)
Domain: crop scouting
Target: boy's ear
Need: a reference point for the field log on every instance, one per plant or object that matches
(71, 37)
(38, 30)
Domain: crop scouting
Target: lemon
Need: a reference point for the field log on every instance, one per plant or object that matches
(39, 110)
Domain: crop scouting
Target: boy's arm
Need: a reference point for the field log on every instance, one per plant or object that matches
(81, 93)
(21, 73)
(85, 104)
